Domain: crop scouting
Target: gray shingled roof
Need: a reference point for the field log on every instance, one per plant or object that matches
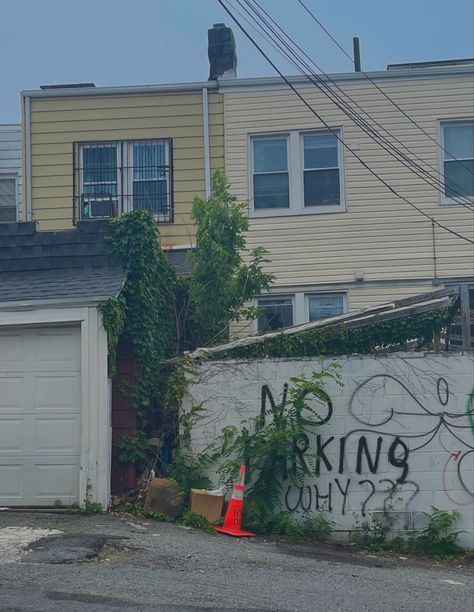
(95, 284)
(70, 264)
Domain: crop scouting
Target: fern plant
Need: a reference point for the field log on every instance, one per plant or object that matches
(272, 444)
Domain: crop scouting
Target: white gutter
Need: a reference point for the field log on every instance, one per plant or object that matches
(207, 151)
(27, 110)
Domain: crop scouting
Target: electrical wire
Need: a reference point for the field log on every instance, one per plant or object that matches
(333, 131)
(375, 84)
(356, 117)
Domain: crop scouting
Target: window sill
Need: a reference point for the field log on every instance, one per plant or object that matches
(451, 202)
(293, 212)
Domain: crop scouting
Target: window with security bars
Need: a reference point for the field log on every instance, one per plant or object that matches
(7, 199)
(115, 177)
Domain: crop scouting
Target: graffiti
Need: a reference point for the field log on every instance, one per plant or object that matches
(380, 434)
(396, 439)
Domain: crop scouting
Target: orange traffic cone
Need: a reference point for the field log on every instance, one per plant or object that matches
(233, 516)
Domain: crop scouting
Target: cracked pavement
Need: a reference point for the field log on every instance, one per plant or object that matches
(103, 562)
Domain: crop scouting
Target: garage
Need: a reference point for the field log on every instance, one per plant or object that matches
(40, 416)
(55, 404)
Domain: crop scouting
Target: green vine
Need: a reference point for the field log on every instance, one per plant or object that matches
(113, 318)
(142, 316)
(339, 340)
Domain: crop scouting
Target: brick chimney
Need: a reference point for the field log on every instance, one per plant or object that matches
(221, 52)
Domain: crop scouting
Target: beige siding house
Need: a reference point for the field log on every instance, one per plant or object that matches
(338, 239)
(94, 152)
(10, 173)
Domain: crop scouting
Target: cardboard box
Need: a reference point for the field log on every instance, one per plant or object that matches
(207, 505)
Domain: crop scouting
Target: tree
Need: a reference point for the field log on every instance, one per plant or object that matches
(221, 282)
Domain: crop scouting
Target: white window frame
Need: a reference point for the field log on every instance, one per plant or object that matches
(15, 176)
(442, 123)
(274, 296)
(118, 156)
(300, 300)
(295, 151)
(307, 297)
(125, 166)
(129, 163)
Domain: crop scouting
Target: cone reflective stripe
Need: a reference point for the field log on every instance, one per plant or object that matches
(233, 517)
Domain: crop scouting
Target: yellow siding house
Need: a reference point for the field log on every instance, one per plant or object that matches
(94, 152)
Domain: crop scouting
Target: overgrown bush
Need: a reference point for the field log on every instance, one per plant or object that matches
(271, 444)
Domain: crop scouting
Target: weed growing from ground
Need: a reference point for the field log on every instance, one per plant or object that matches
(437, 539)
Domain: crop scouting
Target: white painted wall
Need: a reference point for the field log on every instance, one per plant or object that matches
(410, 401)
(10, 157)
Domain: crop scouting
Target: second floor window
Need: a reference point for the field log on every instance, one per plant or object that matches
(7, 198)
(298, 172)
(458, 160)
(116, 177)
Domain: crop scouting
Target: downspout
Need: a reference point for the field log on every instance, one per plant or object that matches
(27, 110)
(207, 153)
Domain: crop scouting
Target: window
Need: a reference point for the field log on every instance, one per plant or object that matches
(321, 170)
(325, 305)
(7, 199)
(295, 173)
(277, 313)
(115, 177)
(458, 160)
(300, 307)
(270, 173)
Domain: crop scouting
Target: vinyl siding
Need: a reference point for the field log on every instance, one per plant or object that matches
(56, 123)
(10, 156)
(378, 234)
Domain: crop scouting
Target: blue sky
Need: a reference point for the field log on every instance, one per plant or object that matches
(121, 42)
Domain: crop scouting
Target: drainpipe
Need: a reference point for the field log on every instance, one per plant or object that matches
(27, 111)
(207, 154)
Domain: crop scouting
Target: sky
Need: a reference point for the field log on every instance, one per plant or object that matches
(127, 42)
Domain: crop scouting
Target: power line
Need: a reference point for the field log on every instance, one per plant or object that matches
(345, 107)
(375, 84)
(333, 131)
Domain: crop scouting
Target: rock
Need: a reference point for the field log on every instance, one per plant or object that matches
(163, 496)
(156, 442)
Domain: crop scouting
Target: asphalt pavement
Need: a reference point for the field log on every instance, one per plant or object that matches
(103, 562)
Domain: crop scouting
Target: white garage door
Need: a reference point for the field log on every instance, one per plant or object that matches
(40, 416)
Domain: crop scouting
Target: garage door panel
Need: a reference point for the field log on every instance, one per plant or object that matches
(55, 482)
(12, 485)
(12, 350)
(59, 392)
(56, 350)
(13, 436)
(57, 435)
(11, 393)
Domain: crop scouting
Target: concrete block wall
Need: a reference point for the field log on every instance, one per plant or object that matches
(396, 438)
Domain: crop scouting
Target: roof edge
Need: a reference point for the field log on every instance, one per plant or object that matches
(382, 75)
(118, 89)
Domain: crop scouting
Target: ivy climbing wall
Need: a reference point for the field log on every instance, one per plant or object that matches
(396, 439)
